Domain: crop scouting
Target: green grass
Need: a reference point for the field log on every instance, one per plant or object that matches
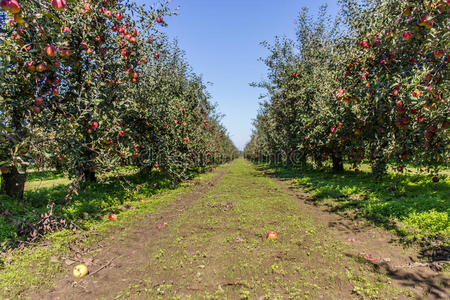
(409, 204)
(93, 202)
(32, 267)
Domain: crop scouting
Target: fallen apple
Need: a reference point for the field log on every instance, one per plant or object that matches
(271, 235)
(112, 217)
(80, 271)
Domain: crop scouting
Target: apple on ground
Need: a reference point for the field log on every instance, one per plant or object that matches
(271, 235)
(112, 217)
(80, 271)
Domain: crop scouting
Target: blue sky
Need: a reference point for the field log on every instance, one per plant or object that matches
(222, 43)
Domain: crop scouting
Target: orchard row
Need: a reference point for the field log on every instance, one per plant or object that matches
(371, 86)
(89, 86)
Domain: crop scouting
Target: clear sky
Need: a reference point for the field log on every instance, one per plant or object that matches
(222, 43)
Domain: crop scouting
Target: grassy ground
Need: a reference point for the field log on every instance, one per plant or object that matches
(212, 245)
(92, 204)
(218, 250)
(409, 204)
(33, 267)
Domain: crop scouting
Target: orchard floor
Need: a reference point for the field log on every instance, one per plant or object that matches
(211, 244)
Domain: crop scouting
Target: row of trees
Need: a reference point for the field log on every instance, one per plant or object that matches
(372, 85)
(88, 86)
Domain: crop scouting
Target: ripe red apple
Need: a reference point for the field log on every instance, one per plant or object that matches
(41, 67)
(38, 101)
(119, 16)
(271, 235)
(142, 200)
(156, 55)
(65, 30)
(400, 168)
(30, 66)
(406, 35)
(13, 6)
(156, 166)
(159, 19)
(401, 110)
(438, 53)
(4, 4)
(59, 5)
(112, 217)
(65, 53)
(55, 91)
(94, 125)
(121, 133)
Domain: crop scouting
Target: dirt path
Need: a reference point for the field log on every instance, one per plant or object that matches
(211, 244)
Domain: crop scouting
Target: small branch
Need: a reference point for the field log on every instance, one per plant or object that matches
(105, 265)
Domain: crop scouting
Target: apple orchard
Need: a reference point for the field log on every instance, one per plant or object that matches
(373, 86)
(90, 86)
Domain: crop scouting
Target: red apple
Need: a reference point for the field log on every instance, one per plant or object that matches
(271, 235)
(65, 53)
(438, 53)
(41, 67)
(59, 5)
(65, 29)
(13, 6)
(112, 217)
(406, 35)
(159, 20)
(38, 101)
(94, 125)
(30, 66)
(121, 133)
(4, 4)
(36, 109)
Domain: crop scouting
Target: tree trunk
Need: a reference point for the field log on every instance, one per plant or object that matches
(146, 171)
(379, 167)
(89, 175)
(338, 163)
(13, 183)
